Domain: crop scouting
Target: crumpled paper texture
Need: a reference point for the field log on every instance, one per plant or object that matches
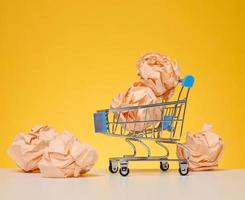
(27, 149)
(205, 148)
(137, 96)
(159, 73)
(67, 157)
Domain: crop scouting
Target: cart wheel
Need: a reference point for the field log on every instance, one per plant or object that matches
(113, 169)
(183, 172)
(164, 166)
(124, 171)
(183, 168)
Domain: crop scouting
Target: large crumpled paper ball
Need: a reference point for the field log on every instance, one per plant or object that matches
(27, 149)
(137, 96)
(205, 148)
(67, 157)
(159, 73)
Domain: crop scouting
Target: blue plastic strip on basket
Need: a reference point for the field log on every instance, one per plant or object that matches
(100, 124)
(188, 81)
(166, 124)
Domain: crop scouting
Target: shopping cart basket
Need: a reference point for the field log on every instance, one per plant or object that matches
(165, 130)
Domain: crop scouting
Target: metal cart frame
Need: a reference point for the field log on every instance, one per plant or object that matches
(166, 130)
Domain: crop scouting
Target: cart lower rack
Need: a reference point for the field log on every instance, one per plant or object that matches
(166, 129)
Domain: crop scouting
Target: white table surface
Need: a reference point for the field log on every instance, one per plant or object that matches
(140, 184)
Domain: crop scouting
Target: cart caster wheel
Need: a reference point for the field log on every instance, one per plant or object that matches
(113, 169)
(124, 171)
(183, 168)
(183, 172)
(164, 166)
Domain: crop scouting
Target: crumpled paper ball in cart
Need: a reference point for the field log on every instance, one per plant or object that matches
(159, 73)
(137, 96)
(205, 148)
(27, 149)
(67, 157)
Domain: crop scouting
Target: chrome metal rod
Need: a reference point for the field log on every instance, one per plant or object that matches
(163, 146)
(182, 101)
(128, 140)
(186, 150)
(146, 147)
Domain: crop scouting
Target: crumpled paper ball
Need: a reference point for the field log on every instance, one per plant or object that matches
(137, 96)
(27, 149)
(205, 148)
(159, 73)
(67, 157)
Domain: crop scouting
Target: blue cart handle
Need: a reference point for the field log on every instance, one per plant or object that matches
(188, 81)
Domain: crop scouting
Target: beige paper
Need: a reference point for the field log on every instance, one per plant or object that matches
(159, 73)
(67, 157)
(137, 96)
(205, 147)
(27, 149)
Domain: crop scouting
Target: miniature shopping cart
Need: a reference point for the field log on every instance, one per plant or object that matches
(165, 130)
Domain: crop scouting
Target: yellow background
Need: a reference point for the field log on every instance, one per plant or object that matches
(62, 60)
